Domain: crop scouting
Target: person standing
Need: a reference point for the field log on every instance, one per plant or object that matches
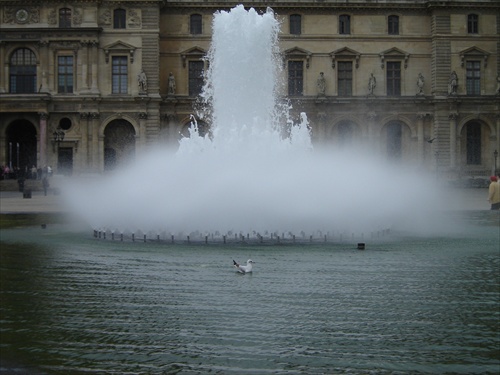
(494, 193)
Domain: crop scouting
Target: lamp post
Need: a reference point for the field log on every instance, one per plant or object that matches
(495, 155)
(58, 137)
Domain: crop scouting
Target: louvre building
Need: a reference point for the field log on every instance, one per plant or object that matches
(86, 86)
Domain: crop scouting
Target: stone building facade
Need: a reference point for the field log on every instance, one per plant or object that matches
(86, 86)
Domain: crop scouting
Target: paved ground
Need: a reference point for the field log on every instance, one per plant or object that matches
(13, 201)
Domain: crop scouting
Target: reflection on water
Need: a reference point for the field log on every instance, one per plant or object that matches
(74, 304)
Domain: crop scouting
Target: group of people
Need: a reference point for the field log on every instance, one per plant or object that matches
(494, 193)
(33, 173)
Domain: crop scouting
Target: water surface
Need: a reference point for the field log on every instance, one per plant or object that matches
(407, 304)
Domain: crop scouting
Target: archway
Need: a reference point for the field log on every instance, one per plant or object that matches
(119, 144)
(396, 138)
(21, 148)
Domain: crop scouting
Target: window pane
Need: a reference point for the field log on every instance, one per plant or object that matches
(393, 78)
(22, 71)
(119, 75)
(195, 77)
(472, 24)
(64, 17)
(393, 26)
(345, 78)
(295, 78)
(394, 140)
(295, 24)
(195, 24)
(119, 17)
(65, 74)
(474, 144)
(473, 81)
(344, 24)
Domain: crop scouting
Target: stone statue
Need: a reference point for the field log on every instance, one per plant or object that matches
(372, 83)
(321, 84)
(498, 84)
(453, 84)
(142, 80)
(171, 84)
(420, 84)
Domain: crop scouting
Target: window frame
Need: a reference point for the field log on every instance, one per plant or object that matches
(473, 143)
(65, 15)
(66, 75)
(295, 24)
(196, 24)
(472, 23)
(344, 78)
(393, 24)
(295, 77)
(119, 18)
(344, 24)
(23, 76)
(473, 77)
(119, 75)
(195, 77)
(393, 78)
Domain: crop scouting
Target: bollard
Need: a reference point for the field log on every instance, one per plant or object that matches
(133, 237)
(121, 237)
(113, 236)
(144, 238)
(224, 239)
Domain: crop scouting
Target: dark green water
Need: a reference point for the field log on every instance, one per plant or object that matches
(72, 304)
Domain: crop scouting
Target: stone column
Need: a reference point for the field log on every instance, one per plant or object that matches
(94, 142)
(83, 62)
(43, 139)
(420, 137)
(94, 64)
(453, 139)
(4, 77)
(141, 137)
(45, 64)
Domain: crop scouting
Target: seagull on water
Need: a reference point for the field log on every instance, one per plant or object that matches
(244, 269)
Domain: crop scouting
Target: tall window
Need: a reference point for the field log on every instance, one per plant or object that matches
(473, 143)
(119, 18)
(119, 75)
(65, 74)
(195, 25)
(344, 24)
(393, 25)
(295, 24)
(64, 17)
(472, 23)
(344, 75)
(473, 82)
(394, 140)
(295, 78)
(195, 77)
(393, 78)
(22, 71)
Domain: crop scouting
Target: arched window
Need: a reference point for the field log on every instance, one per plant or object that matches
(119, 18)
(195, 24)
(473, 143)
(345, 133)
(472, 23)
(295, 24)
(64, 17)
(394, 140)
(22, 71)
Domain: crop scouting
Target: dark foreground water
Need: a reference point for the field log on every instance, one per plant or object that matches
(72, 304)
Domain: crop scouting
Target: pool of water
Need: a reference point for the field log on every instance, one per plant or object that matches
(71, 304)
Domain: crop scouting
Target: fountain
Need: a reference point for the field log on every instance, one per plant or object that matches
(256, 173)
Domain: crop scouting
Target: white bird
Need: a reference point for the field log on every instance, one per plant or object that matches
(244, 269)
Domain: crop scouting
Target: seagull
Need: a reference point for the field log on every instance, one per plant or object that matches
(244, 269)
